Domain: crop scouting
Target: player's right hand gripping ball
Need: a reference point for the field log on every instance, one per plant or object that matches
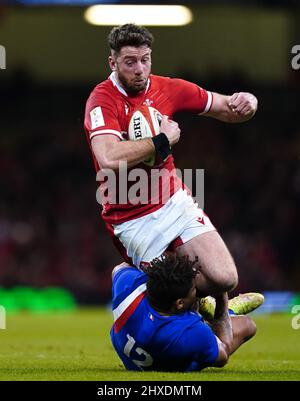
(145, 123)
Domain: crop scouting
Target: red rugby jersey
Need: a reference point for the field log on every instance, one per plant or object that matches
(108, 111)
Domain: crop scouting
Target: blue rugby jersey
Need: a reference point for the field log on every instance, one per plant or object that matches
(146, 340)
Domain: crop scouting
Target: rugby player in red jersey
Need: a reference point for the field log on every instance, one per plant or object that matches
(144, 231)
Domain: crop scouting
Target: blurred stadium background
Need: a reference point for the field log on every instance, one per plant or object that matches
(51, 234)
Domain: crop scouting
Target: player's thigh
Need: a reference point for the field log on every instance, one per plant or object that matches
(216, 262)
(243, 327)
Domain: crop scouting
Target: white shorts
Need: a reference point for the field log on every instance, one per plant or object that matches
(175, 223)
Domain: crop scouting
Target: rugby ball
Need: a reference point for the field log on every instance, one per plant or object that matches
(144, 123)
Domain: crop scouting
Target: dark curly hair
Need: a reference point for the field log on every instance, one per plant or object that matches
(129, 35)
(170, 277)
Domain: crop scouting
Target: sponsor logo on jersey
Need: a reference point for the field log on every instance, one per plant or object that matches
(97, 119)
(137, 127)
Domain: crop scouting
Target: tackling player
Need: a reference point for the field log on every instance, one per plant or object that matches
(156, 326)
(142, 232)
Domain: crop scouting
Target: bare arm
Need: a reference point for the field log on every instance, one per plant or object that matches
(221, 325)
(231, 332)
(237, 108)
(109, 151)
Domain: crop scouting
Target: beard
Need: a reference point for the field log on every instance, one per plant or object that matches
(133, 86)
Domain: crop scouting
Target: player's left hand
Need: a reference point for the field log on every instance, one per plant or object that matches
(243, 103)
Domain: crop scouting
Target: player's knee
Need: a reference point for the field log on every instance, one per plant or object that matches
(232, 277)
(231, 281)
(228, 279)
(251, 328)
(227, 282)
(247, 329)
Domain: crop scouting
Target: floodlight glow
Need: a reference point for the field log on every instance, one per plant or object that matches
(155, 15)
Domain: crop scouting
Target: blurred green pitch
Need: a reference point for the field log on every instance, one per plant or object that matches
(76, 346)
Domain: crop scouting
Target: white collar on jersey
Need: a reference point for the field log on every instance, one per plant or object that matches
(114, 79)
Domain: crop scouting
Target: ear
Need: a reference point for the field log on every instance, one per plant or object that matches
(179, 304)
(112, 63)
